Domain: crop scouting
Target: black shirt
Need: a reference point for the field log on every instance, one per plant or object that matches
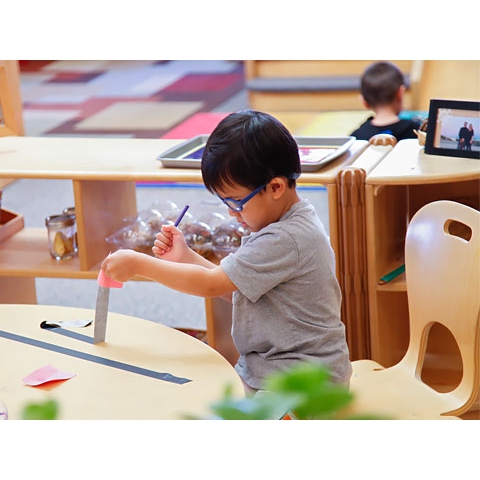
(400, 130)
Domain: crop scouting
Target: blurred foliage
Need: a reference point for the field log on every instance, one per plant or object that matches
(304, 392)
(47, 410)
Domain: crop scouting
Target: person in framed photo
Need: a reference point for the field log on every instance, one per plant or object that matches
(463, 137)
(471, 132)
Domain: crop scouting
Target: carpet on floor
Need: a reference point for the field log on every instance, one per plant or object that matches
(135, 99)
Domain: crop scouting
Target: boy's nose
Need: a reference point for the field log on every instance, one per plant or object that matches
(232, 213)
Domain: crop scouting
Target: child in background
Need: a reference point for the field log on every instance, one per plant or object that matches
(281, 280)
(383, 89)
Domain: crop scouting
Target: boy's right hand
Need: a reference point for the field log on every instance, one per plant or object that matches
(170, 244)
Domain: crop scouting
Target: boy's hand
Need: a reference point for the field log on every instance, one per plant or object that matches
(120, 265)
(170, 244)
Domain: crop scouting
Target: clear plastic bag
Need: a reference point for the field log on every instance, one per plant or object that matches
(139, 232)
(207, 227)
(227, 238)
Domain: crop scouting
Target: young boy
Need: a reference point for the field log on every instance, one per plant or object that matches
(286, 299)
(383, 89)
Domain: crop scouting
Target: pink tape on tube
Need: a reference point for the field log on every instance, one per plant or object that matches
(107, 282)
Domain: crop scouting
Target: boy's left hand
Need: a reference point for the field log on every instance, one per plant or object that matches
(170, 244)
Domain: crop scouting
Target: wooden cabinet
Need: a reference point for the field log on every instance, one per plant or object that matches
(401, 184)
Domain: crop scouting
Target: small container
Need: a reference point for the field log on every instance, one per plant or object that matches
(62, 242)
(71, 211)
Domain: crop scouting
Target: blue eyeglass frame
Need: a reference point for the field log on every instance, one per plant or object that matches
(237, 205)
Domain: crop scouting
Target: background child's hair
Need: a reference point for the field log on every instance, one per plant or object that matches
(380, 83)
(249, 148)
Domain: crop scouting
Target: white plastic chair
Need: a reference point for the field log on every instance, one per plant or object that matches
(442, 263)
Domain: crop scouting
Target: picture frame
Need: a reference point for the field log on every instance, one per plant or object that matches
(450, 126)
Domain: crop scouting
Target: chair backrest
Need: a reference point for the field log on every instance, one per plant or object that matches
(442, 264)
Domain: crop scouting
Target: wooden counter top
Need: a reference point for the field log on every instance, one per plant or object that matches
(408, 164)
(117, 159)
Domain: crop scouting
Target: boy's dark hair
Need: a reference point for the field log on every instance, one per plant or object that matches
(249, 148)
(380, 83)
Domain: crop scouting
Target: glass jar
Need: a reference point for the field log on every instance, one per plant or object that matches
(71, 211)
(61, 236)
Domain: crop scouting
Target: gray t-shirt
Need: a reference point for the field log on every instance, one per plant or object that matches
(287, 306)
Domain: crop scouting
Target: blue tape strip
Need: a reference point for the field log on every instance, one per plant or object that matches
(168, 377)
(71, 334)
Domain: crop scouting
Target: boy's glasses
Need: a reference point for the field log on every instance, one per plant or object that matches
(237, 205)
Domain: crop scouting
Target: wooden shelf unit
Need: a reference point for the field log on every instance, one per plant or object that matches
(400, 185)
(104, 172)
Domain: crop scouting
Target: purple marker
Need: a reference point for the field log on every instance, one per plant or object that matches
(182, 214)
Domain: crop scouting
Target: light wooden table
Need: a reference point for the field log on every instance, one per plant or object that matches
(115, 379)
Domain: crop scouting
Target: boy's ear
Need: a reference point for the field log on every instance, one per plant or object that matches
(401, 92)
(278, 186)
(365, 103)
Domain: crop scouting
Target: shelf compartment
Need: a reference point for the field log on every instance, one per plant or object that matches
(26, 254)
(398, 283)
(10, 223)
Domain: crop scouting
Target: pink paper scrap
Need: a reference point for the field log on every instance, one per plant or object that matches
(107, 282)
(48, 373)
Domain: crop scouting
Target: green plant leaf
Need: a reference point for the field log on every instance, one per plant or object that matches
(317, 396)
(41, 411)
(306, 390)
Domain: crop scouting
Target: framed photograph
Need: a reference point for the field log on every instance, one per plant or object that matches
(453, 129)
